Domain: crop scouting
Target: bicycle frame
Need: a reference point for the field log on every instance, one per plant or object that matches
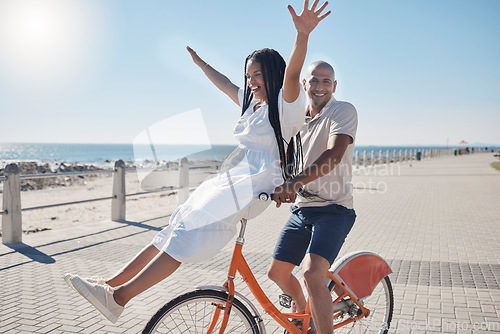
(239, 264)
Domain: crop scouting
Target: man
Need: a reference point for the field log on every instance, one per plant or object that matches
(323, 213)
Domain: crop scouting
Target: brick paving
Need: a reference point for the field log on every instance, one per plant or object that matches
(435, 222)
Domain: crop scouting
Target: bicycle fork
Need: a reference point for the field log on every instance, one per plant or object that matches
(218, 308)
(230, 288)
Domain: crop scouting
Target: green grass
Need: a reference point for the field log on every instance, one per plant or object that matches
(496, 165)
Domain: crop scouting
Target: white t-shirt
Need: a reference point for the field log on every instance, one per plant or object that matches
(337, 117)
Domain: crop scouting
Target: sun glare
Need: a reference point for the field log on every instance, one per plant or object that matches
(45, 43)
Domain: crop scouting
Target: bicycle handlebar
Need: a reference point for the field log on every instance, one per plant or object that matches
(265, 196)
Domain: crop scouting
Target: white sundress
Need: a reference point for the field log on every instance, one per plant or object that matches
(207, 221)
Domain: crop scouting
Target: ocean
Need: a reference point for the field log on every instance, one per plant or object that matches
(104, 153)
(100, 153)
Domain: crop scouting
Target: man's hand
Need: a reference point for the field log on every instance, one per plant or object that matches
(286, 193)
(309, 18)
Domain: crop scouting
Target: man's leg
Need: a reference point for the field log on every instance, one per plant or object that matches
(132, 268)
(162, 266)
(314, 269)
(288, 253)
(281, 273)
(331, 224)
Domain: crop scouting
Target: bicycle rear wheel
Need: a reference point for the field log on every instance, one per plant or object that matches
(193, 313)
(381, 305)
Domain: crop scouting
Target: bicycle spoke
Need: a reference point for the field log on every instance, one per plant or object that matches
(191, 317)
(380, 305)
(194, 313)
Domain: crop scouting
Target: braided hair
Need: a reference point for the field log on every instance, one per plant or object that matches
(273, 72)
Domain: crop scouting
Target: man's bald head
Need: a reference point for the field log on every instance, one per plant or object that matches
(323, 65)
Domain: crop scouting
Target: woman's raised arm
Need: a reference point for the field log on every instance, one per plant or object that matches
(304, 23)
(217, 78)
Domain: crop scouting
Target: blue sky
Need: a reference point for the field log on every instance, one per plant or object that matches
(419, 72)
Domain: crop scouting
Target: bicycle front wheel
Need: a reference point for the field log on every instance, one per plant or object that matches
(194, 312)
(381, 305)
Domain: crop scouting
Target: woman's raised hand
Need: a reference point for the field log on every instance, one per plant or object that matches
(197, 60)
(309, 18)
(217, 78)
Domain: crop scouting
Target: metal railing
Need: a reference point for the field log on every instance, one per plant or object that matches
(50, 175)
(12, 212)
(371, 158)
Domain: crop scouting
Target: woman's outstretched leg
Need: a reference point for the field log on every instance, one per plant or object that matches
(159, 268)
(131, 269)
(148, 268)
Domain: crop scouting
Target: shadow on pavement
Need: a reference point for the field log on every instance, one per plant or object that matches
(141, 224)
(35, 255)
(32, 253)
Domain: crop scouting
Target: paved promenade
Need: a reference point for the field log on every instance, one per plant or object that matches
(436, 222)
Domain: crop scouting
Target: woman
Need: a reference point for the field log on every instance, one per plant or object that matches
(273, 110)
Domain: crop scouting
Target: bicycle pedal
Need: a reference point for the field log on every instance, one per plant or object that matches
(286, 300)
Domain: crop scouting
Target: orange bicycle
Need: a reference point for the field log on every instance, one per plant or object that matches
(359, 283)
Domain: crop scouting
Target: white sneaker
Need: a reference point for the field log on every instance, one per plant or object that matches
(95, 279)
(101, 296)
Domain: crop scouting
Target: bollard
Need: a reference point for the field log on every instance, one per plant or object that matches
(183, 192)
(380, 157)
(118, 206)
(357, 158)
(394, 155)
(365, 158)
(387, 157)
(406, 156)
(12, 222)
(400, 156)
(372, 162)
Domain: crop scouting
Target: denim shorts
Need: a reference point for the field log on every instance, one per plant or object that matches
(317, 230)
